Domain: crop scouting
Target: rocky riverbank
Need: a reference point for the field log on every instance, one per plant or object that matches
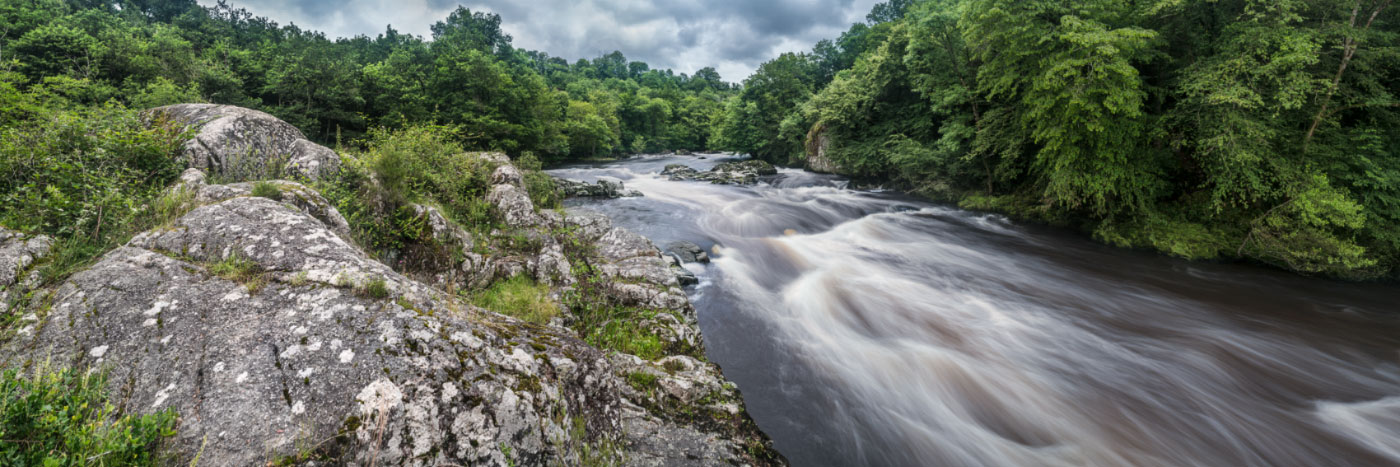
(276, 338)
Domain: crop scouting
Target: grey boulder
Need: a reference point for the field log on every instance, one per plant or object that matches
(240, 144)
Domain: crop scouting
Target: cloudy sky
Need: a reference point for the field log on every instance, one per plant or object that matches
(733, 36)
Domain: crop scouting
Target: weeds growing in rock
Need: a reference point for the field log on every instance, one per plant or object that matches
(519, 297)
(641, 381)
(377, 288)
(63, 417)
(241, 270)
(269, 190)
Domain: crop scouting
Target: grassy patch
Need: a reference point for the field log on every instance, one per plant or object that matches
(377, 288)
(626, 336)
(64, 417)
(269, 190)
(519, 297)
(241, 270)
(641, 381)
(598, 453)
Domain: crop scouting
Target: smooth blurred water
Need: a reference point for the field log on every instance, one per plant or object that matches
(873, 329)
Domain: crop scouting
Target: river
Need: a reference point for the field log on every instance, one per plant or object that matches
(869, 328)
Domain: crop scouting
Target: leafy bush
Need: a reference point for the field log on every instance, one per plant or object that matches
(61, 418)
(426, 162)
(541, 187)
(86, 176)
(419, 164)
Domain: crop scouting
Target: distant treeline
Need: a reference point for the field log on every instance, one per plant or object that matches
(1267, 130)
(145, 53)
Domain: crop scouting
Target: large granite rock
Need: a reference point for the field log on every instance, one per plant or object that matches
(275, 339)
(688, 252)
(291, 193)
(239, 144)
(818, 154)
(310, 354)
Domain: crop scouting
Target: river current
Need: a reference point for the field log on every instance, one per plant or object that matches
(870, 328)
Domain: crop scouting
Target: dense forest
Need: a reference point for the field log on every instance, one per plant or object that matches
(149, 53)
(1204, 129)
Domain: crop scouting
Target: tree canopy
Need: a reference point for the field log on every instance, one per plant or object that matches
(1202, 128)
(150, 52)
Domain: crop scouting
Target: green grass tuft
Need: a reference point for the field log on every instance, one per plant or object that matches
(377, 288)
(519, 297)
(267, 190)
(641, 381)
(241, 270)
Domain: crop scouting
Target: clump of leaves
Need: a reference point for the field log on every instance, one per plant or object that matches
(64, 417)
(85, 176)
(544, 193)
(673, 366)
(421, 164)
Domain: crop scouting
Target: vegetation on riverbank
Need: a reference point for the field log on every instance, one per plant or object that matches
(1204, 129)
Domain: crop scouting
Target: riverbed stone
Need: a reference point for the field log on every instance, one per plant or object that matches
(745, 172)
(605, 187)
(688, 252)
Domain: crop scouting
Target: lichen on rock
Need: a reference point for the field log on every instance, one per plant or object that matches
(314, 350)
(237, 143)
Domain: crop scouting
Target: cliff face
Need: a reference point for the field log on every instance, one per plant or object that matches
(276, 338)
(818, 159)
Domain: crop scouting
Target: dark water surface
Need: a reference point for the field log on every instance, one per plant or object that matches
(872, 329)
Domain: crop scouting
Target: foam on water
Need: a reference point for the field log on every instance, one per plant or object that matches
(872, 329)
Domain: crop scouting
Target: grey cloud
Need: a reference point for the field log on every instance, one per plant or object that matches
(733, 36)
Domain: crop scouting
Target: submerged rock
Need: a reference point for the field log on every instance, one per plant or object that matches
(239, 144)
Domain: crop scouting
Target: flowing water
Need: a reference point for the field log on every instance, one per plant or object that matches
(872, 329)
